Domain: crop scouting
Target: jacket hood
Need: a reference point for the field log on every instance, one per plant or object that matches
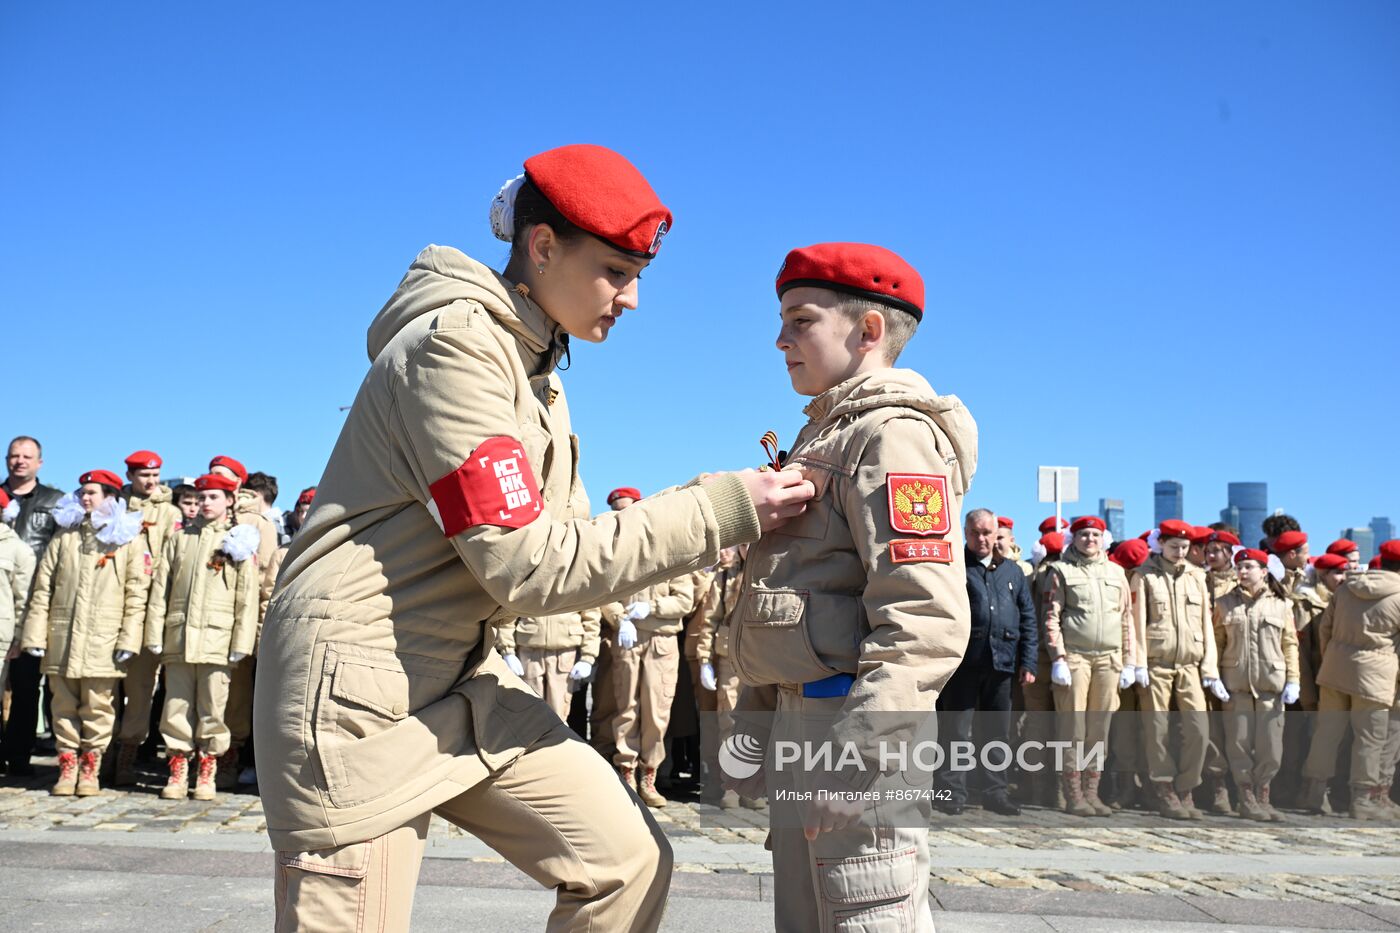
(441, 275)
(1071, 555)
(908, 389)
(161, 494)
(1374, 584)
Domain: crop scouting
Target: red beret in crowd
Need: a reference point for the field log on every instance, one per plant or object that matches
(1375, 563)
(1342, 546)
(1053, 542)
(1200, 534)
(1173, 528)
(600, 191)
(1131, 554)
(103, 477)
(855, 269)
(1224, 537)
(1390, 550)
(231, 465)
(216, 481)
(624, 492)
(306, 496)
(144, 460)
(1288, 541)
(1087, 521)
(1331, 562)
(1049, 525)
(4, 499)
(1252, 553)
(1004, 522)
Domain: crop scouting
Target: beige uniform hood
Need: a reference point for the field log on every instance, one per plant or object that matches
(1358, 636)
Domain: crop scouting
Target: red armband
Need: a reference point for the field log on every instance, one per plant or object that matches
(495, 486)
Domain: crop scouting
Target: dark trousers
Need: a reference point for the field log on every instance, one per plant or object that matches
(17, 746)
(975, 687)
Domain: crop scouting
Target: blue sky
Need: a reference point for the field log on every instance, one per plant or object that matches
(1159, 240)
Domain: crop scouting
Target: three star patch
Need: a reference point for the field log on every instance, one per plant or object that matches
(916, 551)
(918, 504)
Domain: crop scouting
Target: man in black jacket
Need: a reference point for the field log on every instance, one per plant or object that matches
(35, 525)
(1003, 641)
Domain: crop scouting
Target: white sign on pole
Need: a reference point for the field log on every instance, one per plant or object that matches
(1066, 479)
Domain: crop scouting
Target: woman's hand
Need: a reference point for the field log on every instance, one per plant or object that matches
(777, 495)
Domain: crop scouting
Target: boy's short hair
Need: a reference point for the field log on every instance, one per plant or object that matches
(182, 490)
(1224, 526)
(899, 324)
(1275, 525)
(264, 485)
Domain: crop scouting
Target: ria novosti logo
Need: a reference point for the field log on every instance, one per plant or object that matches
(741, 756)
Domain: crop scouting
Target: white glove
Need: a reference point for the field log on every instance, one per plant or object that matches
(514, 664)
(626, 633)
(121, 657)
(1126, 678)
(1217, 687)
(34, 652)
(1140, 675)
(638, 611)
(153, 649)
(581, 670)
(707, 676)
(1290, 694)
(1059, 673)
(235, 657)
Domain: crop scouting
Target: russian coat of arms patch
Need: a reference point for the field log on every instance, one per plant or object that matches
(918, 503)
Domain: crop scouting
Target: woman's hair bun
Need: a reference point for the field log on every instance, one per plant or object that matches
(503, 209)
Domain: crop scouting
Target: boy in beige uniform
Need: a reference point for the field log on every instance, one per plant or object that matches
(447, 506)
(549, 651)
(645, 666)
(856, 613)
(717, 676)
(17, 563)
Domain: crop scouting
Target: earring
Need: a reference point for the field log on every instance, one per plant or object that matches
(540, 268)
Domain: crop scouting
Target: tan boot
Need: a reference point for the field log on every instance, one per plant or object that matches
(1262, 792)
(1074, 795)
(67, 783)
(228, 769)
(89, 763)
(1380, 796)
(1313, 796)
(1250, 808)
(729, 800)
(1388, 803)
(205, 777)
(629, 777)
(1219, 797)
(124, 772)
(647, 789)
(752, 803)
(1091, 793)
(178, 787)
(1168, 803)
(1363, 803)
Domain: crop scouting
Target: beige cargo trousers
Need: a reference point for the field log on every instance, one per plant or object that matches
(558, 813)
(644, 684)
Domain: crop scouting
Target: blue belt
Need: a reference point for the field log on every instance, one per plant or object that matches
(837, 685)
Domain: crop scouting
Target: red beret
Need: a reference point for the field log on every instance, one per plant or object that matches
(143, 460)
(856, 269)
(1087, 521)
(215, 481)
(1131, 554)
(4, 499)
(1049, 525)
(1390, 550)
(624, 491)
(306, 496)
(603, 193)
(1004, 522)
(1145, 535)
(103, 477)
(1173, 528)
(1200, 534)
(1251, 553)
(1289, 540)
(229, 463)
(1343, 546)
(1331, 562)
(1224, 537)
(1053, 542)
(1375, 563)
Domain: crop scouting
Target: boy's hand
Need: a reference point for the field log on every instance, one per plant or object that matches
(777, 495)
(825, 814)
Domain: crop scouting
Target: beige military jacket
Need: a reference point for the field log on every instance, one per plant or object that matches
(1256, 643)
(579, 630)
(16, 574)
(869, 580)
(1040, 582)
(1171, 605)
(159, 520)
(88, 602)
(1220, 582)
(717, 611)
(1089, 609)
(203, 604)
(378, 696)
(248, 511)
(670, 601)
(1359, 635)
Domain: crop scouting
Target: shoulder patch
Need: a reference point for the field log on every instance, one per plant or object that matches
(915, 551)
(495, 486)
(918, 503)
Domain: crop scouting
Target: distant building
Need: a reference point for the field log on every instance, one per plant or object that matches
(1168, 500)
(1383, 530)
(1365, 540)
(1249, 505)
(1111, 511)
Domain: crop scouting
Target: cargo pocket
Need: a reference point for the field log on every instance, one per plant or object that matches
(816, 520)
(870, 893)
(667, 650)
(772, 644)
(322, 887)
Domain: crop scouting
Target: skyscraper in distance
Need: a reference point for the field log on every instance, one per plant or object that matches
(1365, 540)
(1249, 506)
(1168, 500)
(1382, 530)
(1111, 511)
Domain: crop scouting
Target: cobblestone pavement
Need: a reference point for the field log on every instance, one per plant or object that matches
(1318, 859)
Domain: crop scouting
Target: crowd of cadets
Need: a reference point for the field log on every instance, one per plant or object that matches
(1188, 656)
(126, 592)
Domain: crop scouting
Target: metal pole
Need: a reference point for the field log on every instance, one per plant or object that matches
(1058, 521)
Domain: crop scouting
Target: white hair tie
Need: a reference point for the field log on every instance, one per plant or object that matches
(503, 209)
